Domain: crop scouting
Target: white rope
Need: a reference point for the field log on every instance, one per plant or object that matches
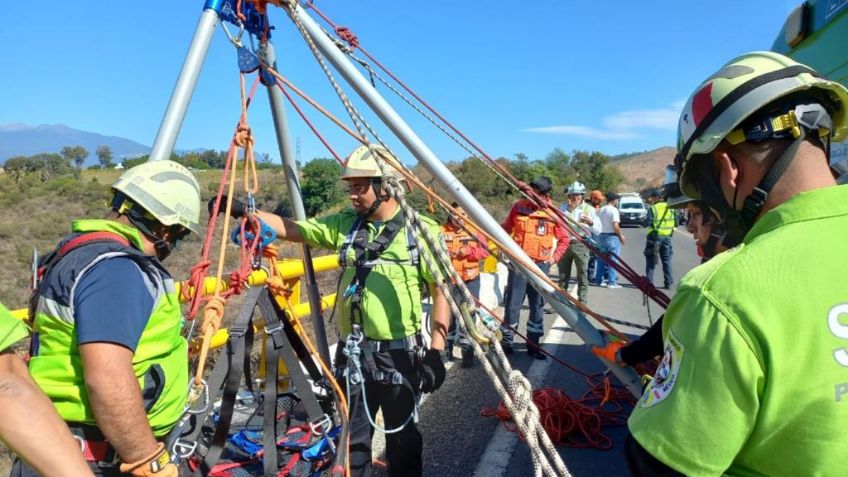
(518, 396)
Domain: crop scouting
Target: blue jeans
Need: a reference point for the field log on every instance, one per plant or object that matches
(611, 244)
(658, 245)
(454, 329)
(516, 289)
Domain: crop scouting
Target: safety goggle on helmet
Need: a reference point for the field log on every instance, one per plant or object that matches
(721, 104)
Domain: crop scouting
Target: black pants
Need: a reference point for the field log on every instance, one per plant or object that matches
(403, 449)
(661, 246)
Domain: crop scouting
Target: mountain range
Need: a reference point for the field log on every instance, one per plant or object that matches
(25, 140)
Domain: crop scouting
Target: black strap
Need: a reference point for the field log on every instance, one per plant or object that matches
(365, 251)
(755, 201)
(238, 348)
(282, 348)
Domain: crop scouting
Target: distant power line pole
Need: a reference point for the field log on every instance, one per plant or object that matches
(297, 151)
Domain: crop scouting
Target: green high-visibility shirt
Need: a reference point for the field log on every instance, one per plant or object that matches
(12, 329)
(754, 379)
(391, 303)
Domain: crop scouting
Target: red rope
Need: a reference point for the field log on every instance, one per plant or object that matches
(311, 126)
(569, 422)
(198, 271)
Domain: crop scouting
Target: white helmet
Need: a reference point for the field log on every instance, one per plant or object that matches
(576, 187)
(166, 190)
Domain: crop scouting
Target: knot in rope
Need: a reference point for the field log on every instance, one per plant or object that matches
(271, 252)
(238, 280)
(213, 313)
(347, 35)
(522, 396)
(278, 287)
(193, 286)
(243, 136)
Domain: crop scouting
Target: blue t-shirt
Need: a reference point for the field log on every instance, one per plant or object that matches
(113, 302)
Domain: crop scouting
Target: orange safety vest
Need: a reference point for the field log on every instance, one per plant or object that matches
(456, 238)
(534, 232)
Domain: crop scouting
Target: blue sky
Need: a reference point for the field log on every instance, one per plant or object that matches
(515, 76)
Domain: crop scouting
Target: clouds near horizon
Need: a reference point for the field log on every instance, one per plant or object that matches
(621, 126)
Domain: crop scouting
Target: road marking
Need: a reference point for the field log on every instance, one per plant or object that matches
(499, 451)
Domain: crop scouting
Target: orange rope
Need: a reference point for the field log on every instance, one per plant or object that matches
(214, 309)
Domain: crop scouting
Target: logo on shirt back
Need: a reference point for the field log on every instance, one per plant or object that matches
(666, 376)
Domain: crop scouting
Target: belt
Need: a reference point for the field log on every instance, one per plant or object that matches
(93, 445)
(410, 343)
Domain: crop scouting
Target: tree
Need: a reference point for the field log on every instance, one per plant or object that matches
(520, 167)
(128, 163)
(75, 155)
(320, 186)
(104, 155)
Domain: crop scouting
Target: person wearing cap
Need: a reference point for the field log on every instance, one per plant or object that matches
(611, 240)
(596, 199)
(577, 253)
(545, 241)
(754, 376)
(107, 344)
(380, 290)
(29, 424)
(661, 223)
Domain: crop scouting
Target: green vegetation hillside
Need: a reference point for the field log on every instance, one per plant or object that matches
(42, 194)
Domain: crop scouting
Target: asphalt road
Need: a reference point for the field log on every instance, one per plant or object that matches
(461, 442)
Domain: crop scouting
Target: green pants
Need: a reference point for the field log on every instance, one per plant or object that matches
(578, 254)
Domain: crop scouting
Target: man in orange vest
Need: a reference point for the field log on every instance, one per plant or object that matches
(466, 251)
(545, 241)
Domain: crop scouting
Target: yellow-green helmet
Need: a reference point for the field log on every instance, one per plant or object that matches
(165, 189)
(741, 88)
(362, 164)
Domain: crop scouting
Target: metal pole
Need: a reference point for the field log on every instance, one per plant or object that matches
(169, 129)
(463, 197)
(278, 112)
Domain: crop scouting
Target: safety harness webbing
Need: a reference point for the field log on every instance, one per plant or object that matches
(237, 362)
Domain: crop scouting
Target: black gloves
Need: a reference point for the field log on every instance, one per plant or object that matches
(432, 371)
(237, 211)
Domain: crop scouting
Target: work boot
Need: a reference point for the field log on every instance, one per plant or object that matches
(533, 346)
(507, 347)
(467, 357)
(448, 353)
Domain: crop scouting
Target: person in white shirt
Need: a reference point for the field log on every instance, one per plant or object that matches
(611, 240)
(584, 215)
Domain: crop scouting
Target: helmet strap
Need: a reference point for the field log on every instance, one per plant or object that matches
(744, 218)
(377, 185)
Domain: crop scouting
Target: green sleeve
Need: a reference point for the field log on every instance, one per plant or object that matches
(697, 413)
(12, 329)
(324, 232)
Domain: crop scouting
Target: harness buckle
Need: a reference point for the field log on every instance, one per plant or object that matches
(321, 426)
(275, 332)
(754, 203)
(182, 449)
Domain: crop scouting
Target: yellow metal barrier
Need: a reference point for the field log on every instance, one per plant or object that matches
(220, 338)
(289, 269)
